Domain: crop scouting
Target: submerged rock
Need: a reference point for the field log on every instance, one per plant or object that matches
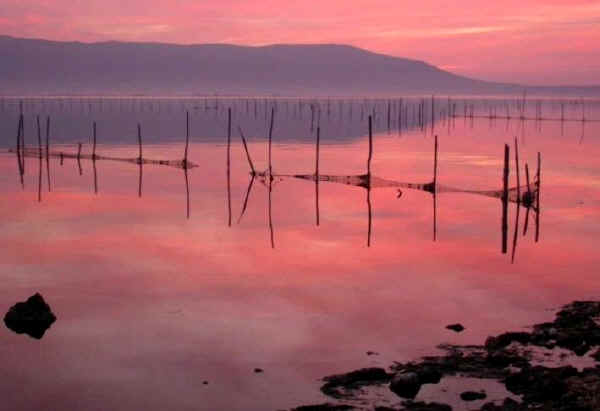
(32, 317)
(473, 396)
(456, 327)
(341, 385)
(508, 405)
(324, 407)
(425, 406)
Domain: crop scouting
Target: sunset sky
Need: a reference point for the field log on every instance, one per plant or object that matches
(527, 41)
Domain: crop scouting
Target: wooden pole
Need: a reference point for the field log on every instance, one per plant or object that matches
(515, 234)
(317, 175)
(369, 215)
(94, 141)
(79, 158)
(400, 118)
(271, 180)
(22, 141)
(247, 151)
(48, 151)
(39, 132)
(435, 164)
(370, 149)
(19, 159)
(270, 141)
(229, 165)
(434, 192)
(539, 181)
(505, 200)
(140, 159)
(432, 113)
(517, 166)
(187, 192)
(187, 138)
(389, 116)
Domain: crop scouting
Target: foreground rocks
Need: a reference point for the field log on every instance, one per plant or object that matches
(505, 358)
(32, 317)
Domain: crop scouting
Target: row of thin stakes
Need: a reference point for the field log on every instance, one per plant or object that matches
(40, 152)
(525, 196)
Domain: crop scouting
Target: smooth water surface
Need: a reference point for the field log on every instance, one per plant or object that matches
(150, 304)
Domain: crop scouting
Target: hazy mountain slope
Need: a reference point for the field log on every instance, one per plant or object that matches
(40, 66)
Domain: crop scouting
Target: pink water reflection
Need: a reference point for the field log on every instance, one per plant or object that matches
(150, 304)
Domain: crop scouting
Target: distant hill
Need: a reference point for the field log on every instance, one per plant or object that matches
(46, 67)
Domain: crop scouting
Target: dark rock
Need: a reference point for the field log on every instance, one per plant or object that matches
(369, 353)
(540, 384)
(504, 340)
(32, 317)
(429, 375)
(504, 358)
(205, 382)
(338, 386)
(258, 370)
(425, 406)
(456, 327)
(406, 384)
(472, 396)
(562, 389)
(324, 407)
(583, 390)
(508, 405)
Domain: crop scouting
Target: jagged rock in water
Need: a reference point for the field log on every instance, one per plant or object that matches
(32, 317)
(406, 384)
(504, 340)
(341, 385)
(456, 327)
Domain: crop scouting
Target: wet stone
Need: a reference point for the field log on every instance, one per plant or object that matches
(472, 396)
(406, 384)
(425, 406)
(32, 317)
(456, 327)
(324, 407)
(341, 385)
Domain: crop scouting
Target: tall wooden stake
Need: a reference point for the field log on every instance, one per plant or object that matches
(187, 138)
(229, 165)
(317, 175)
(370, 148)
(39, 132)
(79, 158)
(505, 200)
(539, 184)
(140, 159)
(48, 152)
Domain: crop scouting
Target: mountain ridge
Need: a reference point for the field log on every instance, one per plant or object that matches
(38, 66)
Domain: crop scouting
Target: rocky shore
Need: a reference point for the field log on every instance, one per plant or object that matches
(508, 358)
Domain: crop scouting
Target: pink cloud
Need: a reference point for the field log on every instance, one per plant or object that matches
(556, 38)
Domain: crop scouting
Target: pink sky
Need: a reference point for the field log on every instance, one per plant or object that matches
(527, 41)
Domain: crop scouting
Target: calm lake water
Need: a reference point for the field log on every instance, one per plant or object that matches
(150, 304)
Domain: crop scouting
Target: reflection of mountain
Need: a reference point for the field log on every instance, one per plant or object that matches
(39, 66)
